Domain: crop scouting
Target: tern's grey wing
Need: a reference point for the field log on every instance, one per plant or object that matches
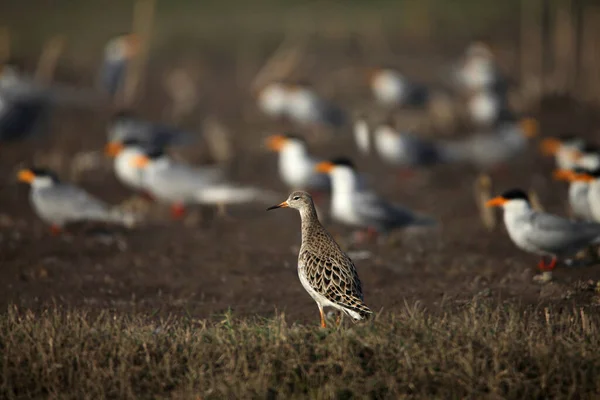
(63, 203)
(180, 182)
(556, 234)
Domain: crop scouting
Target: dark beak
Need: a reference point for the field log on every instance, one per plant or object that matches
(280, 205)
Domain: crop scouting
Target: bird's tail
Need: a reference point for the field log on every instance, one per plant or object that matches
(358, 311)
(231, 194)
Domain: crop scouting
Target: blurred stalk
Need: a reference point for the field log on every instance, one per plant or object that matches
(4, 43)
(531, 53)
(49, 59)
(545, 45)
(564, 47)
(143, 17)
(590, 57)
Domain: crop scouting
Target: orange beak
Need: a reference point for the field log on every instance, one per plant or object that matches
(563, 175)
(496, 202)
(276, 142)
(324, 167)
(26, 175)
(113, 149)
(550, 146)
(530, 127)
(140, 161)
(582, 178)
(280, 205)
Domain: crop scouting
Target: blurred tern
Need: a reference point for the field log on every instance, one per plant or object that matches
(272, 100)
(355, 205)
(58, 203)
(180, 184)
(125, 125)
(404, 149)
(391, 88)
(593, 179)
(117, 54)
(124, 154)
(541, 233)
(579, 185)
(362, 135)
(564, 149)
(305, 107)
(491, 149)
(478, 70)
(296, 165)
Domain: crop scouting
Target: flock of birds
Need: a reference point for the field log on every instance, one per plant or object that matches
(143, 164)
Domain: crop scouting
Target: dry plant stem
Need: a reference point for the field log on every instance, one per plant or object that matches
(535, 200)
(483, 192)
(49, 59)
(564, 48)
(143, 17)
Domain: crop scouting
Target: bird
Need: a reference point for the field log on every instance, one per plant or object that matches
(487, 106)
(579, 185)
(353, 204)
(588, 157)
(542, 233)
(58, 203)
(117, 53)
(491, 149)
(593, 180)
(272, 100)
(390, 89)
(305, 107)
(126, 124)
(478, 70)
(295, 164)
(24, 105)
(180, 184)
(404, 148)
(124, 153)
(362, 134)
(564, 148)
(326, 272)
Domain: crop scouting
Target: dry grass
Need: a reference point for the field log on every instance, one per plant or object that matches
(476, 351)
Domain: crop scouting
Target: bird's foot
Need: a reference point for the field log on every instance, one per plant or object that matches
(55, 230)
(177, 211)
(543, 266)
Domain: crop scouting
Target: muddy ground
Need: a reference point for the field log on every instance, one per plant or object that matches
(247, 263)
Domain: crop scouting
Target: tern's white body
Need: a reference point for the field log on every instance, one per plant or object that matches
(304, 106)
(126, 172)
(272, 100)
(484, 107)
(578, 200)
(297, 167)
(594, 199)
(362, 136)
(389, 87)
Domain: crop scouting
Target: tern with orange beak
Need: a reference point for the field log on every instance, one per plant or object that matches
(326, 272)
(593, 178)
(59, 204)
(124, 154)
(541, 233)
(295, 164)
(352, 203)
(565, 149)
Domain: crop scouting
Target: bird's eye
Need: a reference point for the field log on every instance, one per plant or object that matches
(296, 198)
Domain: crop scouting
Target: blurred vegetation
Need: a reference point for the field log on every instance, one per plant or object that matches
(474, 352)
(88, 24)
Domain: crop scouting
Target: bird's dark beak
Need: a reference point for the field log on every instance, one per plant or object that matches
(280, 205)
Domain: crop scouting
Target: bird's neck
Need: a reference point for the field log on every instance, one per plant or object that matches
(310, 221)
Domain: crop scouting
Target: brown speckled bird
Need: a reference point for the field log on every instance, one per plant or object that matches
(325, 271)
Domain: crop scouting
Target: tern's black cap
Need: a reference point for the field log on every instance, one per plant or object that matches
(515, 194)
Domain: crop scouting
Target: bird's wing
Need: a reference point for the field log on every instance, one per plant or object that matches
(334, 276)
(72, 202)
(556, 233)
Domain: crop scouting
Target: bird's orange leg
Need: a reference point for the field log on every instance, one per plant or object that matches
(55, 230)
(547, 267)
(177, 211)
(323, 325)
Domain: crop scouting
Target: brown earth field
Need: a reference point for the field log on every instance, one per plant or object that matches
(247, 262)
